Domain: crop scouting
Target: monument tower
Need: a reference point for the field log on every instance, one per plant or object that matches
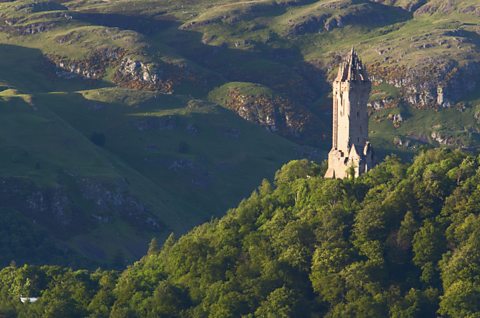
(351, 151)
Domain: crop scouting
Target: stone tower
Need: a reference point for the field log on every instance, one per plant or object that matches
(351, 152)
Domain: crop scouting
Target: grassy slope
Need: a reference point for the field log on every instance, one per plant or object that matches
(41, 144)
(46, 123)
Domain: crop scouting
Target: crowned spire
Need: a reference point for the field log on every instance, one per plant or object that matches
(352, 69)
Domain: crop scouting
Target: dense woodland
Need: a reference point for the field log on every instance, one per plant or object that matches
(401, 241)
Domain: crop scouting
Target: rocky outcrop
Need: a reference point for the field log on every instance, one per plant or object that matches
(92, 67)
(15, 26)
(72, 205)
(383, 103)
(136, 74)
(113, 198)
(430, 85)
(396, 119)
(442, 138)
(48, 15)
(277, 114)
(129, 72)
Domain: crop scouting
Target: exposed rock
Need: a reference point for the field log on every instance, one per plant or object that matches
(130, 72)
(396, 119)
(383, 103)
(442, 139)
(397, 141)
(55, 206)
(136, 74)
(435, 84)
(114, 198)
(92, 67)
(16, 26)
(276, 114)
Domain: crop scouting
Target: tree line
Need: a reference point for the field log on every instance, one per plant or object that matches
(401, 241)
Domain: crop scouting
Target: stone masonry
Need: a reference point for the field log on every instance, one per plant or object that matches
(351, 152)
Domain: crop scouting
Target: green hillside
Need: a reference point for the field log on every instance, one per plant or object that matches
(103, 169)
(125, 120)
(400, 241)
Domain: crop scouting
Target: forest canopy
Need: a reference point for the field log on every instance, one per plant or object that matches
(401, 241)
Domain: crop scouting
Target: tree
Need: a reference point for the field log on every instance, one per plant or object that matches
(153, 247)
(428, 245)
(280, 303)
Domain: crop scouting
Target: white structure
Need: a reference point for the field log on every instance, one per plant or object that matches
(26, 300)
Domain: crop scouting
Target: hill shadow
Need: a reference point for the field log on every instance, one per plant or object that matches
(140, 24)
(28, 70)
(282, 69)
(230, 64)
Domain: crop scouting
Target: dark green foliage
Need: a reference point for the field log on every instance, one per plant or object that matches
(17, 236)
(401, 241)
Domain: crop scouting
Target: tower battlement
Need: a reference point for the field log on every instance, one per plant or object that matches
(351, 151)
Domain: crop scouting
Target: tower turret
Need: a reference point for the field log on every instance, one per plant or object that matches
(351, 90)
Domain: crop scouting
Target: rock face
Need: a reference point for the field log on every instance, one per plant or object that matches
(383, 103)
(136, 74)
(56, 207)
(129, 72)
(93, 67)
(276, 113)
(434, 85)
(53, 14)
(114, 198)
(442, 139)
